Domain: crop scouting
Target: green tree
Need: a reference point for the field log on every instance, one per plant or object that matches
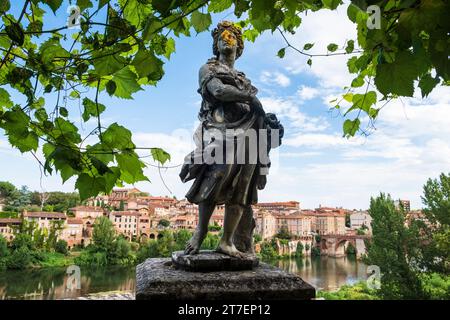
(121, 205)
(283, 233)
(350, 249)
(103, 235)
(164, 223)
(6, 189)
(210, 242)
(121, 252)
(3, 247)
(257, 238)
(315, 252)
(299, 250)
(347, 220)
(61, 247)
(181, 238)
(394, 249)
(22, 240)
(122, 46)
(435, 231)
(268, 250)
(55, 229)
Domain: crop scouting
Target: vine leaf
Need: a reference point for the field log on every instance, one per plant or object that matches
(160, 155)
(200, 21)
(397, 77)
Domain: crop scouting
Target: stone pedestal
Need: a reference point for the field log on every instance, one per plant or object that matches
(160, 279)
(209, 260)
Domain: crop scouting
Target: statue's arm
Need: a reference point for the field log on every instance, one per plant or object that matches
(226, 92)
(221, 91)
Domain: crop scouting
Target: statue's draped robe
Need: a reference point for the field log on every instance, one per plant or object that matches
(232, 181)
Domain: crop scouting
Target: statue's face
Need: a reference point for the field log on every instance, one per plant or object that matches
(227, 43)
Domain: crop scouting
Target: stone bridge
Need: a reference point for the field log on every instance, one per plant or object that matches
(335, 245)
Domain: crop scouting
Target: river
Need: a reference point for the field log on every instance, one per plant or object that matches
(52, 283)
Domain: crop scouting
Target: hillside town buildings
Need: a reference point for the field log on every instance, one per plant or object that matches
(137, 215)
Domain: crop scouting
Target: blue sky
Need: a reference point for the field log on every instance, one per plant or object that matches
(315, 165)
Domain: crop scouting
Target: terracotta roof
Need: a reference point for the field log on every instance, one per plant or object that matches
(86, 208)
(125, 213)
(279, 204)
(10, 220)
(74, 221)
(45, 215)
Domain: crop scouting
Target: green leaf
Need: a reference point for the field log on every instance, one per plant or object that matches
(52, 50)
(331, 4)
(309, 62)
(106, 63)
(281, 52)
(41, 114)
(217, 6)
(111, 87)
(89, 186)
(102, 3)
(15, 122)
(250, 34)
(136, 11)
(5, 100)
(15, 33)
(131, 167)
(147, 64)
(363, 101)
(99, 165)
(200, 21)
(53, 4)
(91, 109)
(160, 155)
(308, 46)
(397, 77)
(358, 81)
(126, 83)
(4, 5)
(84, 4)
(427, 84)
(66, 130)
(350, 46)
(348, 97)
(350, 127)
(170, 48)
(117, 137)
(63, 112)
(152, 26)
(332, 47)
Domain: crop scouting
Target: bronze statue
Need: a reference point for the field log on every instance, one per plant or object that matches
(224, 165)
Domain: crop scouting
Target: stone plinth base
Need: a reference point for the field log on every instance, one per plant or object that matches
(158, 279)
(208, 260)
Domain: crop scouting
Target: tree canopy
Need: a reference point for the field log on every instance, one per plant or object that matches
(121, 46)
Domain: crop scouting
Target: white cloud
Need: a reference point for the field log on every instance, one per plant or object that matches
(276, 77)
(307, 93)
(322, 28)
(289, 109)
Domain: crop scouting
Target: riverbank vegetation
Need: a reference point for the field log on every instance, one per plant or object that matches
(412, 250)
(34, 247)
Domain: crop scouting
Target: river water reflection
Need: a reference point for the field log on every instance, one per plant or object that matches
(326, 273)
(51, 283)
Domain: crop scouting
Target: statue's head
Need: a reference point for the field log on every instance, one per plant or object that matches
(227, 38)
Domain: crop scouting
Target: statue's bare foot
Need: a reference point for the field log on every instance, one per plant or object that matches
(193, 245)
(229, 250)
